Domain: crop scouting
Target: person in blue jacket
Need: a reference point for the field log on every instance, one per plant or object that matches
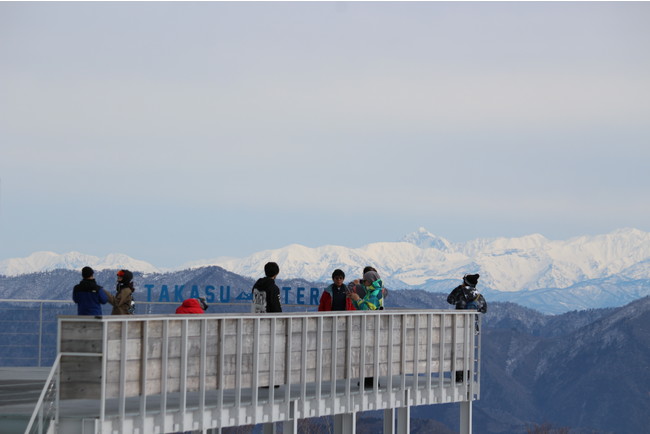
(88, 295)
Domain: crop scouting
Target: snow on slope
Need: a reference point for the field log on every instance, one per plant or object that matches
(505, 264)
(47, 261)
(420, 259)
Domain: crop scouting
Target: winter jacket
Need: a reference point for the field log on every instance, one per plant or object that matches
(122, 299)
(373, 298)
(334, 298)
(361, 290)
(191, 305)
(89, 297)
(266, 296)
(467, 297)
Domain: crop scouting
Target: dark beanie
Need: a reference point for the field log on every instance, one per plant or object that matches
(338, 272)
(471, 279)
(87, 272)
(271, 269)
(126, 276)
(370, 277)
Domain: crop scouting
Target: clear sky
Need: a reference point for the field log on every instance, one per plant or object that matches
(174, 132)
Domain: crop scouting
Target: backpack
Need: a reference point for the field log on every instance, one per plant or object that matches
(482, 304)
(478, 303)
(467, 298)
(259, 301)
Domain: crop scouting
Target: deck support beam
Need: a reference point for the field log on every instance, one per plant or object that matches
(466, 417)
(345, 423)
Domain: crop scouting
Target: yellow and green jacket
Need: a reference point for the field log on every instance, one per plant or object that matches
(374, 298)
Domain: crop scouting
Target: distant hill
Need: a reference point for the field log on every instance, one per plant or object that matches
(205, 282)
(586, 370)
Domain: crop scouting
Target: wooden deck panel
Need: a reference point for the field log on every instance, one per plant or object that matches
(81, 375)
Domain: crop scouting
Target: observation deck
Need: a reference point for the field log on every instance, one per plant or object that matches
(178, 373)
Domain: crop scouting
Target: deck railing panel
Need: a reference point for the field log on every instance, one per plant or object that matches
(221, 362)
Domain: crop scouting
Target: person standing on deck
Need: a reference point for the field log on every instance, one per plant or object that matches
(266, 294)
(88, 295)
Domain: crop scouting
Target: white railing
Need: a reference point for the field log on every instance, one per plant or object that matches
(46, 407)
(197, 372)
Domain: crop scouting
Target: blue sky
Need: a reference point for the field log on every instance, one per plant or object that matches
(173, 132)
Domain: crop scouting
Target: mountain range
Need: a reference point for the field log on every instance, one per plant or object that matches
(48, 261)
(551, 276)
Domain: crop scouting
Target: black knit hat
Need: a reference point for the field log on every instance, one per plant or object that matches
(87, 272)
(471, 279)
(126, 276)
(271, 269)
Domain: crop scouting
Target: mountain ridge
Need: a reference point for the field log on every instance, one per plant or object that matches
(505, 264)
(582, 272)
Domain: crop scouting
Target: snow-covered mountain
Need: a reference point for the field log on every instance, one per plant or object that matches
(422, 259)
(47, 261)
(419, 260)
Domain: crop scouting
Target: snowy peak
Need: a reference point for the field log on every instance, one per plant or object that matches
(48, 261)
(420, 260)
(424, 260)
(426, 240)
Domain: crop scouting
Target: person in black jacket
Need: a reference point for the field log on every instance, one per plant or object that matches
(88, 295)
(466, 296)
(266, 294)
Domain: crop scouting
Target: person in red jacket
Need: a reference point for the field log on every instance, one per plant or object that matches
(335, 296)
(192, 305)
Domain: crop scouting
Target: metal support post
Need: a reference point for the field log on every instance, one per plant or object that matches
(404, 420)
(389, 421)
(345, 423)
(466, 417)
(290, 426)
(40, 337)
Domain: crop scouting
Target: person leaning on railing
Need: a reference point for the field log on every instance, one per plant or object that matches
(467, 297)
(372, 300)
(335, 296)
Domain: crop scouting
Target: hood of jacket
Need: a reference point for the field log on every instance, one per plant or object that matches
(332, 288)
(191, 305)
(87, 285)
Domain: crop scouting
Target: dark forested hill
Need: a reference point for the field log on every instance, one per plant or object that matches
(588, 371)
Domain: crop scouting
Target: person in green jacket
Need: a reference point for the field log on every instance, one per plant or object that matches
(373, 298)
